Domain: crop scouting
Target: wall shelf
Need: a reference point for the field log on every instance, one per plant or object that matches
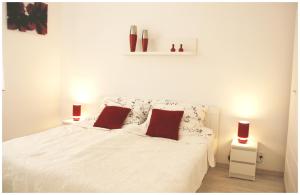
(161, 53)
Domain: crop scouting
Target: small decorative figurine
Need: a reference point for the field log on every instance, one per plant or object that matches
(173, 48)
(180, 49)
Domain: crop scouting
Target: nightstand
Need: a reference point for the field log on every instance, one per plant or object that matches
(70, 121)
(243, 159)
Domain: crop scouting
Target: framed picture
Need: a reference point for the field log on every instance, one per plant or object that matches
(32, 16)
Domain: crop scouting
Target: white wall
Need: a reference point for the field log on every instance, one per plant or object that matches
(291, 158)
(31, 100)
(243, 63)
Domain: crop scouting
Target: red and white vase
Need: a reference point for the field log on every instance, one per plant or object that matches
(133, 38)
(145, 40)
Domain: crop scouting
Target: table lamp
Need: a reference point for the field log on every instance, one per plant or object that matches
(243, 131)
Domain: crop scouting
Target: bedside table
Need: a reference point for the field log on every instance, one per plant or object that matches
(70, 121)
(243, 159)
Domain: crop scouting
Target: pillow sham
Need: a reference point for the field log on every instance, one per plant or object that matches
(192, 120)
(112, 117)
(139, 108)
(164, 123)
(164, 102)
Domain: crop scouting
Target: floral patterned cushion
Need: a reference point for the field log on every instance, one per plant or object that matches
(163, 102)
(193, 117)
(139, 108)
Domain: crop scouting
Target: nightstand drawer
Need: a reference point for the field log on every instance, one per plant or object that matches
(243, 156)
(242, 168)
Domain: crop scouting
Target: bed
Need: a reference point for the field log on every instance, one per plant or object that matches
(82, 158)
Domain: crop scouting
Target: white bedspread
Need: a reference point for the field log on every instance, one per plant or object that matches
(76, 159)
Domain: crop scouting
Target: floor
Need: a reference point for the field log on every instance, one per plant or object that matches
(217, 180)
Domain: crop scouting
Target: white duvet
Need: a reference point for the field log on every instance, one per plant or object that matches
(83, 159)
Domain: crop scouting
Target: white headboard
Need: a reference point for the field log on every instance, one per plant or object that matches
(212, 119)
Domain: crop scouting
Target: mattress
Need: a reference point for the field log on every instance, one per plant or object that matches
(79, 158)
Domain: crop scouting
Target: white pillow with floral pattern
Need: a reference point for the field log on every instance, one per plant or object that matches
(193, 116)
(139, 108)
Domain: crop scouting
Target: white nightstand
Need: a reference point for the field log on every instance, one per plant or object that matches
(243, 159)
(70, 121)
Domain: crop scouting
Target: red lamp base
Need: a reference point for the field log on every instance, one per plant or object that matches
(76, 112)
(76, 119)
(243, 140)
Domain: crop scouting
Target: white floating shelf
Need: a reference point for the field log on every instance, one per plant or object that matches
(161, 53)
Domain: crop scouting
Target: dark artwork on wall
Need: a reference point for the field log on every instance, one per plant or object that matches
(31, 17)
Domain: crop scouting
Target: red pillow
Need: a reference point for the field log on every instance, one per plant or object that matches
(164, 123)
(112, 117)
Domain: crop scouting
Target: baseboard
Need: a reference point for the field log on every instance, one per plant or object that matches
(258, 171)
(269, 172)
(223, 165)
